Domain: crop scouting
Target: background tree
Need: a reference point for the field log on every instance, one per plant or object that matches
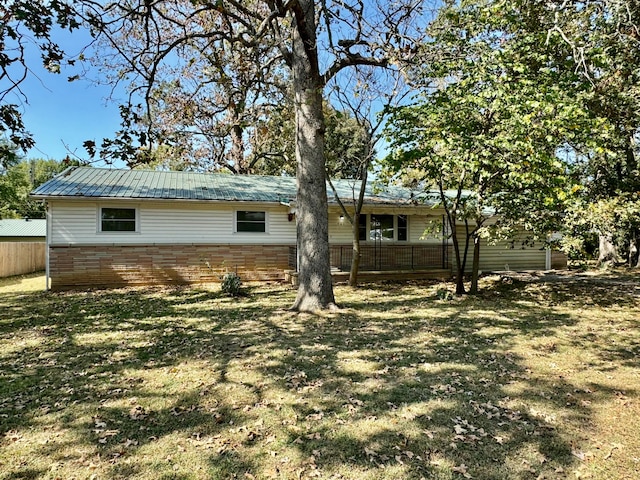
(10, 155)
(273, 143)
(19, 180)
(594, 49)
(367, 95)
(605, 39)
(205, 102)
(482, 134)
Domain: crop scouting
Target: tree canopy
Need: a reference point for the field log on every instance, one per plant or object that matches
(273, 146)
(17, 181)
(482, 134)
(532, 108)
(249, 41)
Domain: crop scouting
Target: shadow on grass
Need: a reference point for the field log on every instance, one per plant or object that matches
(398, 385)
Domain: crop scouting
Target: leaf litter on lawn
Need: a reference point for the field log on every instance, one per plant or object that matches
(529, 379)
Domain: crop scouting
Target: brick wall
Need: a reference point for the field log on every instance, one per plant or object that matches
(78, 266)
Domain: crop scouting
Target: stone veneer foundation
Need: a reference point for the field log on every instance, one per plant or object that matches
(102, 266)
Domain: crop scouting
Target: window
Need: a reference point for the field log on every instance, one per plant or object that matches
(362, 227)
(117, 219)
(251, 221)
(402, 228)
(383, 228)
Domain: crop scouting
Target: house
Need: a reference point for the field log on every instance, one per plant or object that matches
(121, 227)
(23, 230)
(22, 246)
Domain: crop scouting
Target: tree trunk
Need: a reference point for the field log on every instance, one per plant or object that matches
(607, 250)
(634, 251)
(315, 289)
(237, 150)
(475, 268)
(355, 226)
(460, 262)
(355, 260)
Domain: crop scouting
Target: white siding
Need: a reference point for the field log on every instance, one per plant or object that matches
(418, 224)
(505, 255)
(72, 223)
(339, 231)
(76, 223)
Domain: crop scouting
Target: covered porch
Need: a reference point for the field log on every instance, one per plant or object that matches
(385, 261)
(382, 256)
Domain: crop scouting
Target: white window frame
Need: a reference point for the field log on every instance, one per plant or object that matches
(243, 232)
(118, 232)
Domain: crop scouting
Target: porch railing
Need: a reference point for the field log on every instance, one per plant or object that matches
(387, 257)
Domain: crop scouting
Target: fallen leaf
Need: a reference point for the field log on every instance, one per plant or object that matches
(462, 469)
(99, 423)
(138, 413)
(459, 429)
(579, 455)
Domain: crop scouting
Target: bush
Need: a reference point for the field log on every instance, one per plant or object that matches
(444, 294)
(231, 284)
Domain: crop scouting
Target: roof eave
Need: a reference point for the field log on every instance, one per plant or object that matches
(146, 199)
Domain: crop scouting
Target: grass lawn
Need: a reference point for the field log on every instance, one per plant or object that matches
(533, 379)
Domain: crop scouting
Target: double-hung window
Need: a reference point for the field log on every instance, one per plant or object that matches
(118, 220)
(251, 221)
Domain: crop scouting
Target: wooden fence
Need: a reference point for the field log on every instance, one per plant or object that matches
(17, 258)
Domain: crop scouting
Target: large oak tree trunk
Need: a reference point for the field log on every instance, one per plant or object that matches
(236, 155)
(315, 290)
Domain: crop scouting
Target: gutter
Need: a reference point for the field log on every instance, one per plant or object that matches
(47, 283)
(147, 199)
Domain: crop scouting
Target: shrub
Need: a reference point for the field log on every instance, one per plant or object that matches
(231, 284)
(444, 294)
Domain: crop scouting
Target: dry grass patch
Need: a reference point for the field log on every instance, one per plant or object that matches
(535, 378)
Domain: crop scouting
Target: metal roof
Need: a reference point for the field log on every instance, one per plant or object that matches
(87, 182)
(23, 228)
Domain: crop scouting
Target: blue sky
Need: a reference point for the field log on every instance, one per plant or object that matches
(60, 114)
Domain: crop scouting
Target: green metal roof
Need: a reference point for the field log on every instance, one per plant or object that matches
(23, 228)
(87, 182)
